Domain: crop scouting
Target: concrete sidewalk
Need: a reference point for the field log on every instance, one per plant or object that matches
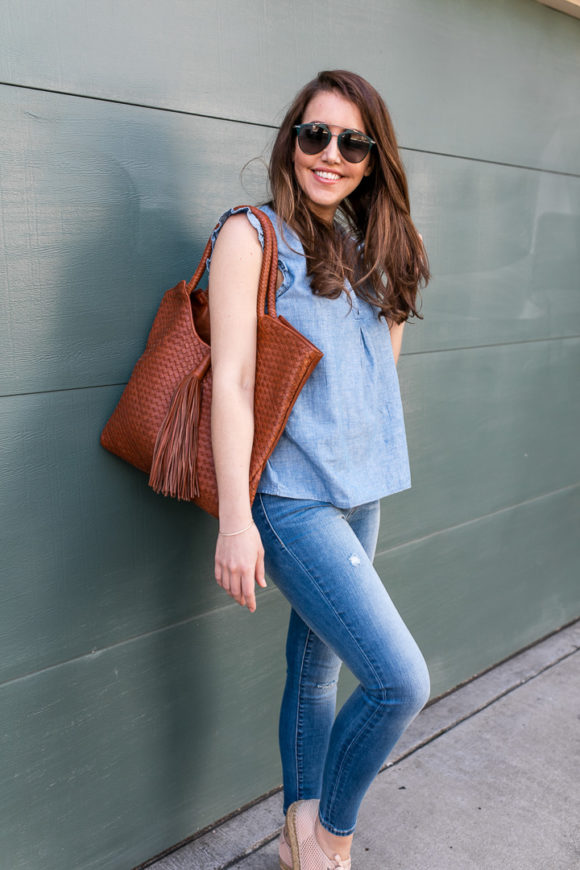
(487, 778)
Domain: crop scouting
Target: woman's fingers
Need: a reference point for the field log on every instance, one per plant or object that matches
(230, 583)
(248, 592)
(260, 571)
(238, 586)
(222, 577)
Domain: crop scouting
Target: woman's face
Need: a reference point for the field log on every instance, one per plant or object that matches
(326, 178)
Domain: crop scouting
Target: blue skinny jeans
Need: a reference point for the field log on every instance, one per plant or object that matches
(320, 557)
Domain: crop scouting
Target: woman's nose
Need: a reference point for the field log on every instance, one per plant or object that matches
(331, 153)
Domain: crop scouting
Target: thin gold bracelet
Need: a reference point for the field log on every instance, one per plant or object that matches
(239, 532)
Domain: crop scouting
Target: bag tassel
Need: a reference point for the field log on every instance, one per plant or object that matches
(174, 464)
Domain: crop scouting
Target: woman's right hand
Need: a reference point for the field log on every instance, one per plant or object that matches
(239, 564)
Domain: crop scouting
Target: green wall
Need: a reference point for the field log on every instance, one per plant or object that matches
(138, 703)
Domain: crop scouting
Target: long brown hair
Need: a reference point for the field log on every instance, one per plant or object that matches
(381, 252)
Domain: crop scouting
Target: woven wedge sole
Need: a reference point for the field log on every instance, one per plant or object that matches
(283, 842)
(292, 836)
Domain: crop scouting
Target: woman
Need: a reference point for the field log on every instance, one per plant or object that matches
(350, 263)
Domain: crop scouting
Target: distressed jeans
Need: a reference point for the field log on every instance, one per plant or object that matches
(320, 557)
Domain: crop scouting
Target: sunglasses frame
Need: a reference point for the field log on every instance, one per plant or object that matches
(339, 139)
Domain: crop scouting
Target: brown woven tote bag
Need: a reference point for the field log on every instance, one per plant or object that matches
(162, 423)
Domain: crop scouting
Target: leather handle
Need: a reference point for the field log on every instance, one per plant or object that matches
(266, 303)
(267, 293)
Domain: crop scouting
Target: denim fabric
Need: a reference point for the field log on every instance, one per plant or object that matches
(321, 559)
(344, 441)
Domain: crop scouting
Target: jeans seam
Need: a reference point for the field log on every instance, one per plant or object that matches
(355, 737)
(321, 591)
(298, 740)
(271, 527)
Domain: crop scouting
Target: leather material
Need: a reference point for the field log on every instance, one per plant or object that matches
(178, 348)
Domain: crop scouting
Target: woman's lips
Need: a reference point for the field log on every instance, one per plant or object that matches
(326, 176)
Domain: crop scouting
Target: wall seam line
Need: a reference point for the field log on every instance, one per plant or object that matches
(494, 344)
(267, 126)
(478, 519)
(96, 652)
(403, 354)
(136, 105)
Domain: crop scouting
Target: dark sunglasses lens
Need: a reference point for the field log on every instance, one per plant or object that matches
(353, 146)
(313, 138)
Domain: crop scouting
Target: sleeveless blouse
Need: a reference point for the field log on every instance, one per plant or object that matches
(344, 441)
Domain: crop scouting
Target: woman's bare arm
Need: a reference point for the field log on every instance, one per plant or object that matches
(233, 290)
(396, 330)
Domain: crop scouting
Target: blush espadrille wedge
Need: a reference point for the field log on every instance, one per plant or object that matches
(307, 854)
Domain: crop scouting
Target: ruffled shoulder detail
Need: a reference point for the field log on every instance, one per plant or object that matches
(237, 210)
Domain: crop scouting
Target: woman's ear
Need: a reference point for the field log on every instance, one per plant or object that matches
(369, 168)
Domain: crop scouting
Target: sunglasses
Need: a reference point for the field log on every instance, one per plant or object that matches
(315, 137)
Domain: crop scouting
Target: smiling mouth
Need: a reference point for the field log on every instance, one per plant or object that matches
(326, 176)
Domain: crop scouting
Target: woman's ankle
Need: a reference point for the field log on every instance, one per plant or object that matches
(331, 844)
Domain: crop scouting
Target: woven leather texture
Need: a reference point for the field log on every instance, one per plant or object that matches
(285, 360)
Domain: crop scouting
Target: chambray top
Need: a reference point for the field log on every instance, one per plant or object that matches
(344, 441)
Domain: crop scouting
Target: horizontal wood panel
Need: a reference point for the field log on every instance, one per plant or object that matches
(491, 80)
(477, 593)
(111, 758)
(134, 748)
(486, 428)
(85, 540)
(504, 251)
(106, 206)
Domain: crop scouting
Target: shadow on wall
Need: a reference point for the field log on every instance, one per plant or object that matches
(105, 584)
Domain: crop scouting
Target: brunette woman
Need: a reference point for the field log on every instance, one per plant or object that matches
(350, 265)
